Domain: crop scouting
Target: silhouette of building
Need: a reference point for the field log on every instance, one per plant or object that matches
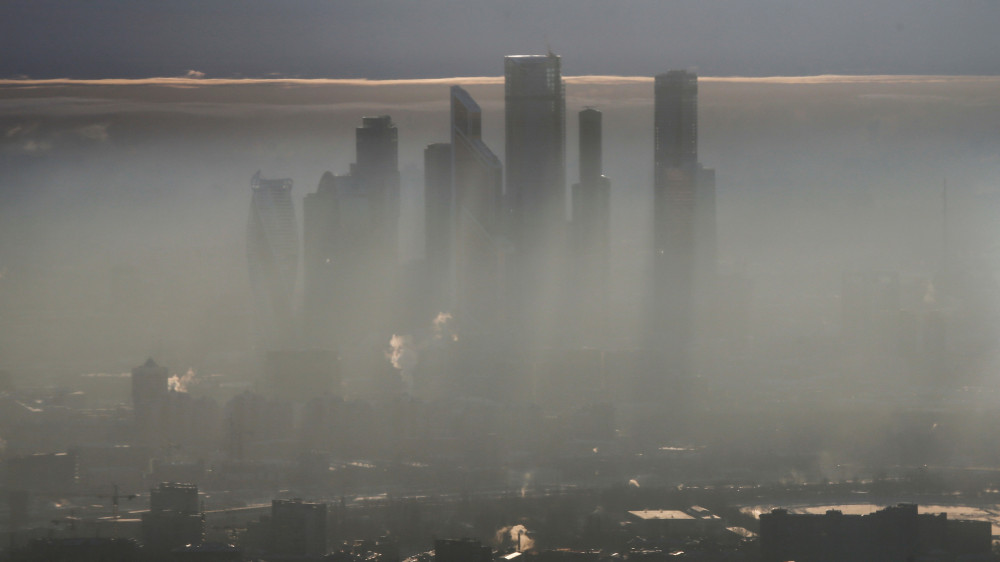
(377, 173)
(149, 387)
(477, 177)
(893, 534)
(590, 232)
(683, 216)
(320, 261)
(298, 528)
(438, 222)
(273, 257)
(174, 518)
(534, 96)
(461, 550)
(149, 398)
(535, 197)
(351, 231)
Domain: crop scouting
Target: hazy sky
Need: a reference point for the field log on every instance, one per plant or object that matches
(440, 38)
(148, 182)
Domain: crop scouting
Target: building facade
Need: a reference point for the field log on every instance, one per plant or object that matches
(273, 258)
(590, 234)
(535, 198)
(477, 180)
(535, 105)
(683, 218)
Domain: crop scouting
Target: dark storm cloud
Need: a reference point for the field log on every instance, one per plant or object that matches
(435, 38)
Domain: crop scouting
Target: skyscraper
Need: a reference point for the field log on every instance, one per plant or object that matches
(319, 245)
(676, 119)
(377, 174)
(477, 177)
(534, 95)
(438, 219)
(174, 518)
(273, 257)
(535, 197)
(150, 391)
(591, 222)
(351, 231)
(590, 233)
(684, 215)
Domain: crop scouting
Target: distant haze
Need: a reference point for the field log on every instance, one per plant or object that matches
(141, 189)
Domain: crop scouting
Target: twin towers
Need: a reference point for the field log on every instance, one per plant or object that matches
(501, 256)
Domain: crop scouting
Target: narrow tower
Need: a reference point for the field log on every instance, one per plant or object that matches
(684, 219)
(273, 257)
(590, 235)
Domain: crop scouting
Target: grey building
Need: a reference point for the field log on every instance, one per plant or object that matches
(535, 102)
(477, 180)
(683, 216)
(535, 199)
(273, 257)
(590, 233)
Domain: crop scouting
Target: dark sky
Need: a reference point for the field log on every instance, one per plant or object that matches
(441, 38)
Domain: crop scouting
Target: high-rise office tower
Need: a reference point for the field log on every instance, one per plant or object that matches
(684, 215)
(320, 263)
(535, 198)
(590, 232)
(273, 257)
(591, 222)
(351, 226)
(377, 174)
(149, 386)
(174, 518)
(676, 119)
(150, 392)
(438, 219)
(534, 95)
(477, 177)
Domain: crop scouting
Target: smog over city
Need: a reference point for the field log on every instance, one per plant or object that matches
(481, 280)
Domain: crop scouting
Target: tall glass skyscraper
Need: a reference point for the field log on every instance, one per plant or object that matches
(683, 215)
(535, 197)
(590, 236)
(377, 175)
(351, 241)
(273, 257)
(477, 180)
(534, 94)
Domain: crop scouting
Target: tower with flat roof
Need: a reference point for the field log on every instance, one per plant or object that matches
(477, 179)
(535, 196)
(534, 96)
(273, 257)
(683, 217)
(590, 232)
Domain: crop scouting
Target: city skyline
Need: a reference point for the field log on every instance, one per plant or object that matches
(567, 279)
(563, 367)
(862, 95)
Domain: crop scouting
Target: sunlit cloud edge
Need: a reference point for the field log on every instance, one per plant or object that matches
(192, 82)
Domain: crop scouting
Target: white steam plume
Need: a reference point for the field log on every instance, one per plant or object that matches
(180, 384)
(517, 535)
